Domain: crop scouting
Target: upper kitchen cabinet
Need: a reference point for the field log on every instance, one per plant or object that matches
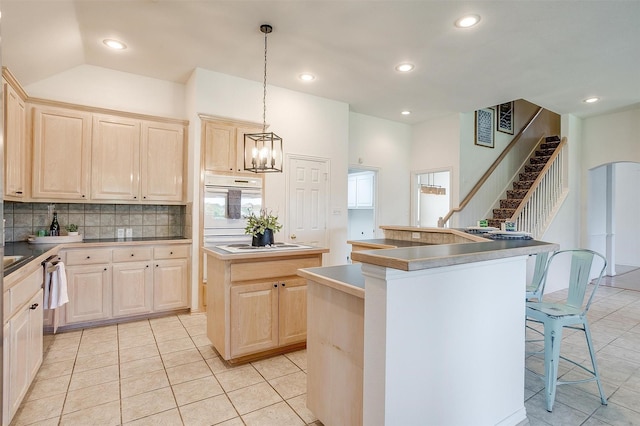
(223, 143)
(61, 153)
(360, 190)
(115, 158)
(163, 161)
(15, 141)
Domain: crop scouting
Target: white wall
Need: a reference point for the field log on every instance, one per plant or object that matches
(435, 146)
(386, 146)
(627, 206)
(104, 88)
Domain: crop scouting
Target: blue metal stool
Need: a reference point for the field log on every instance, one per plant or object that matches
(571, 314)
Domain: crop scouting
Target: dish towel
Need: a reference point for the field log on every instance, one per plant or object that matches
(55, 285)
(234, 204)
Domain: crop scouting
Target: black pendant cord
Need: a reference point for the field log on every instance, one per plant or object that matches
(266, 29)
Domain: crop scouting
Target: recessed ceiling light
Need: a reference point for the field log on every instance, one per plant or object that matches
(467, 21)
(591, 100)
(405, 112)
(405, 67)
(114, 44)
(307, 77)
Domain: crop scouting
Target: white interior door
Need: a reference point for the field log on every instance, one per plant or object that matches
(308, 180)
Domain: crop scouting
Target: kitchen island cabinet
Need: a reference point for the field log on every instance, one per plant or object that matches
(256, 302)
(424, 307)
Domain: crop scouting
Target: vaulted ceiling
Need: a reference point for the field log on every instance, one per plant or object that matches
(552, 53)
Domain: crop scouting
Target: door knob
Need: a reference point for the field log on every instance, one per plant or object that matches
(292, 236)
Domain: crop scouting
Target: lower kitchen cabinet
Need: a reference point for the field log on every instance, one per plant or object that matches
(257, 305)
(169, 291)
(132, 288)
(117, 282)
(22, 344)
(89, 290)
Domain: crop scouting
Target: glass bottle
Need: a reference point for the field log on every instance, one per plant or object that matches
(54, 229)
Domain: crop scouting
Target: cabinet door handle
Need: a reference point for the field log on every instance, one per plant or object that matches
(282, 284)
(147, 266)
(88, 257)
(132, 255)
(105, 269)
(275, 285)
(19, 192)
(170, 252)
(34, 306)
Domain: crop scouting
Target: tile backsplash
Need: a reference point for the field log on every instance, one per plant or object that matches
(95, 220)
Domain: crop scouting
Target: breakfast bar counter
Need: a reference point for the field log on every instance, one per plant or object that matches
(436, 335)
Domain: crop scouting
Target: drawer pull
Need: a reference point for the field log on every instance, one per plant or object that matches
(88, 257)
(170, 252)
(131, 254)
(33, 307)
(105, 269)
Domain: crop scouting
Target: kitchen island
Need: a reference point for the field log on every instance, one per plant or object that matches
(256, 303)
(441, 329)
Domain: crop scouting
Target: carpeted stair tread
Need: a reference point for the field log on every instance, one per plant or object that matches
(496, 223)
(530, 176)
(510, 203)
(552, 138)
(516, 193)
(545, 152)
(503, 213)
(522, 184)
(533, 168)
(539, 160)
(549, 145)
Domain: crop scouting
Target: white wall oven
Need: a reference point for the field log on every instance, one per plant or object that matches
(227, 199)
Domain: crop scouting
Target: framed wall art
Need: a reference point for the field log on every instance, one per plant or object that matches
(505, 118)
(484, 127)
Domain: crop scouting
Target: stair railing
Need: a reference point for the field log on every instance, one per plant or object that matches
(538, 207)
(496, 182)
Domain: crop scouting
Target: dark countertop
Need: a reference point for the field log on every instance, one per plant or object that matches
(436, 256)
(346, 278)
(33, 251)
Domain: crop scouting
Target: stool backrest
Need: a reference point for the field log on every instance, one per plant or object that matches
(582, 261)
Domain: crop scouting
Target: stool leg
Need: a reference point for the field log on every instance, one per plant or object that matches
(552, 340)
(587, 333)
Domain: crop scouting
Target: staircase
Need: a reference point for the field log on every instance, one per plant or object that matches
(525, 180)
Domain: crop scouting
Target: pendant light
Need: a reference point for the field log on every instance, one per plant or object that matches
(263, 151)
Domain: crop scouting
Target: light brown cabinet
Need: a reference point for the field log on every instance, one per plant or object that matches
(22, 350)
(163, 162)
(115, 158)
(223, 144)
(257, 306)
(118, 282)
(61, 153)
(15, 143)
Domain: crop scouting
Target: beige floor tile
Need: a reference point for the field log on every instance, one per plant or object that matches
(173, 359)
(43, 388)
(217, 365)
(137, 340)
(239, 377)
(209, 411)
(164, 334)
(90, 396)
(274, 415)
(55, 369)
(236, 421)
(277, 366)
(166, 418)
(292, 385)
(104, 415)
(196, 390)
(92, 339)
(91, 362)
(146, 404)
(126, 326)
(140, 367)
(106, 331)
(144, 383)
(60, 343)
(253, 397)
(139, 352)
(186, 372)
(196, 329)
(208, 352)
(299, 405)
(201, 340)
(57, 355)
(299, 358)
(93, 377)
(165, 322)
(54, 421)
(88, 349)
(39, 409)
(175, 345)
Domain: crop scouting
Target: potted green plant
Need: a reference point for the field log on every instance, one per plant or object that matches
(72, 229)
(262, 227)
